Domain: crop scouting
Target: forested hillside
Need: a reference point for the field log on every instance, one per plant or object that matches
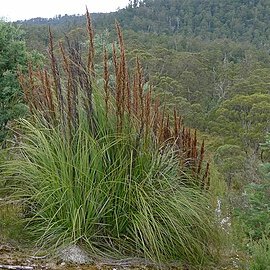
(234, 19)
(237, 20)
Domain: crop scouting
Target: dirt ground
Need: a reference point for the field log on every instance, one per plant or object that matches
(12, 258)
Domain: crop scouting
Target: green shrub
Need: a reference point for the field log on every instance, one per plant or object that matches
(254, 211)
(260, 258)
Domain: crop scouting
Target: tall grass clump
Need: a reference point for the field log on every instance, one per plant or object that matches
(106, 167)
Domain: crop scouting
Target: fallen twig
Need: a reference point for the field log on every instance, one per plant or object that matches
(16, 267)
(39, 257)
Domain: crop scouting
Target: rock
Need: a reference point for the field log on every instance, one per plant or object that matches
(74, 254)
(50, 265)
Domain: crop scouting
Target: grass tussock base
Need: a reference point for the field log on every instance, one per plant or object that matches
(105, 195)
(107, 168)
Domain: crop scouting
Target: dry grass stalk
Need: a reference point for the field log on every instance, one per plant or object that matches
(91, 50)
(106, 77)
(50, 94)
(57, 79)
(206, 177)
(69, 85)
(201, 157)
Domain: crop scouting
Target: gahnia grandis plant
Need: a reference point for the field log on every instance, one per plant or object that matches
(106, 166)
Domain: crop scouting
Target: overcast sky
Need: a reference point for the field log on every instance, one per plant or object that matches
(13, 10)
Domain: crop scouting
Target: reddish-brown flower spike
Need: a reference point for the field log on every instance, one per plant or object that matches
(106, 77)
(201, 158)
(91, 49)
